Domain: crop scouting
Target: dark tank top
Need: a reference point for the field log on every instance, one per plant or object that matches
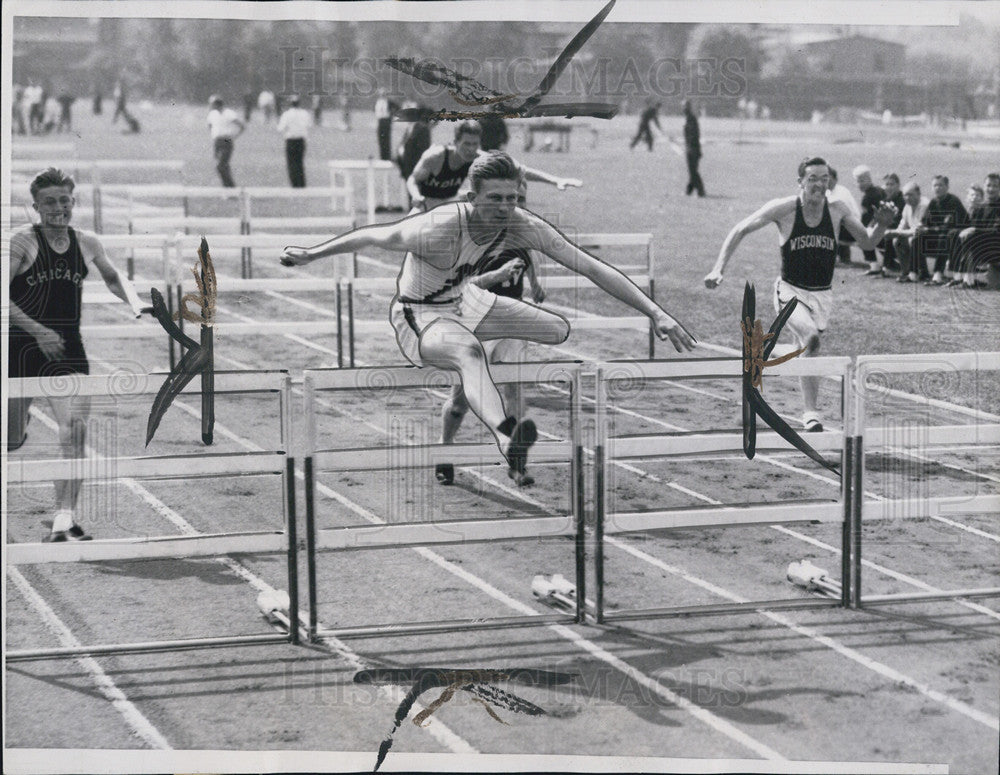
(445, 184)
(51, 290)
(809, 254)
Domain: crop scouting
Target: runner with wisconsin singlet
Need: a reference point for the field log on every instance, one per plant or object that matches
(48, 263)
(807, 225)
(441, 319)
(442, 169)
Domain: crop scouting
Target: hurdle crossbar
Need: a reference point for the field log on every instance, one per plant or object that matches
(608, 450)
(868, 384)
(451, 532)
(187, 467)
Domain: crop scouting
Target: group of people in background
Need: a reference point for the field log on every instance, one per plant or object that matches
(937, 240)
(38, 110)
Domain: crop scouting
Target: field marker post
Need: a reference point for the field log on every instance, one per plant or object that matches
(350, 323)
(340, 329)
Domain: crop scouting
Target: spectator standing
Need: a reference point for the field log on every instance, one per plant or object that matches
(838, 192)
(649, 117)
(384, 108)
(121, 101)
(17, 110)
(345, 113)
(294, 125)
(33, 100)
(494, 135)
(50, 114)
(416, 140)
(871, 197)
(692, 150)
(939, 228)
(317, 108)
(225, 127)
(265, 101)
(66, 101)
(903, 234)
(248, 103)
(98, 99)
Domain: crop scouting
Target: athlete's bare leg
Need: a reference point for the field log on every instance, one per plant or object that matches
(71, 415)
(801, 324)
(17, 421)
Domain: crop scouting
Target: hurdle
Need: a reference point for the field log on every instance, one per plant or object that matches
(642, 274)
(871, 372)
(452, 532)
(607, 450)
(184, 467)
(387, 172)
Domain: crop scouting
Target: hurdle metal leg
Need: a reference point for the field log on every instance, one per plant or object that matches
(293, 553)
(577, 498)
(857, 477)
(847, 494)
(350, 324)
(599, 495)
(340, 330)
(311, 546)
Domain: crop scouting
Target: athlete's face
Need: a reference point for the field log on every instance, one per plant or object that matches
(54, 205)
(467, 146)
(973, 198)
(940, 188)
(815, 182)
(864, 180)
(891, 187)
(912, 196)
(495, 200)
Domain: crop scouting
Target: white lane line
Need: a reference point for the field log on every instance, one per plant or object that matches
(141, 726)
(437, 729)
(878, 667)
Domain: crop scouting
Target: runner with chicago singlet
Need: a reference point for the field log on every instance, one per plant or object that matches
(441, 319)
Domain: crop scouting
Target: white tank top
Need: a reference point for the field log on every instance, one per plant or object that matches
(420, 282)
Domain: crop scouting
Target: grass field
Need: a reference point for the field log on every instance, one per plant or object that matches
(908, 683)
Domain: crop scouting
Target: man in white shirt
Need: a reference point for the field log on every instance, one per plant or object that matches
(225, 126)
(902, 236)
(840, 193)
(294, 125)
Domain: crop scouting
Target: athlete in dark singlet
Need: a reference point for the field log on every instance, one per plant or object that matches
(48, 264)
(442, 170)
(807, 227)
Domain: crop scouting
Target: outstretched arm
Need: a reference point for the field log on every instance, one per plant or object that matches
(396, 236)
(560, 183)
(769, 213)
(612, 281)
(868, 238)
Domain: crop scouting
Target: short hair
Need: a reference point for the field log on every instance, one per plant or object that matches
(861, 169)
(891, 176)
(468, 128)
(831, 170)
(495, 165)
(815, 161)
(911, 186)
(993, 177)
(293, 100)
(943, 178)
(216, 101)
(978, 188)
(50, 177)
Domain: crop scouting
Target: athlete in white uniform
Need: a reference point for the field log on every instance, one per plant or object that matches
(441, 319)
(808, 226)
